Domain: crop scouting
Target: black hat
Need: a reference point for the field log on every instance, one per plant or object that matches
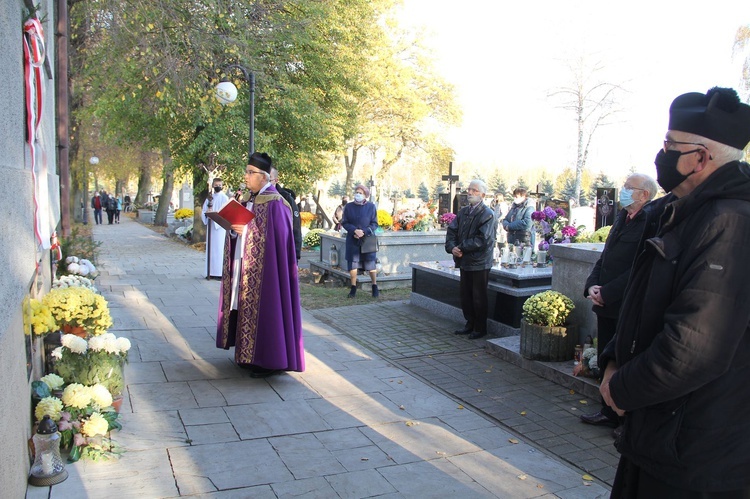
(261, 160)
(718, 115)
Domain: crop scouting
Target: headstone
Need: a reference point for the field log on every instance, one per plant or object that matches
(559, 203)
(444, 203)
(460, 201)
(185, 196)
(605, 206)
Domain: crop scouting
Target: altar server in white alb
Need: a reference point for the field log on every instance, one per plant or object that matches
(215, 234)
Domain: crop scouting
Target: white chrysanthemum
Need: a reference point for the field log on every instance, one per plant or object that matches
(53, 381)
(71, 259)
(57, 353)
(96, 343)
(95, 425)
(110, 344)
(77, 396)
(73, 268)
(51, 406)
(74, 343)
(100, 396)
(123, 344)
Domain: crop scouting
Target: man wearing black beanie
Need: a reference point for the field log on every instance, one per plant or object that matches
(679, 365)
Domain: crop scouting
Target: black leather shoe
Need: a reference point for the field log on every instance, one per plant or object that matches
(476, 335)
(599, 419)
(465, 330)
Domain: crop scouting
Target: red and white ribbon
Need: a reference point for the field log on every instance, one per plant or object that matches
(34, 54)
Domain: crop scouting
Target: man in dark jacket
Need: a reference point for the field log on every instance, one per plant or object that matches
(470, 238)
(605, 285)
(289, 197)
(518, 220)
(679, 366)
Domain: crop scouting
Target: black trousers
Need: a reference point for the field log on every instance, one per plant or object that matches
(605, 331)
(474, 298)
(633, 482)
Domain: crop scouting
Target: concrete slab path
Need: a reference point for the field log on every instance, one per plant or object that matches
(391, 405)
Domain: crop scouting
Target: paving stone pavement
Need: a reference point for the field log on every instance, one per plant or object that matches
(391, 404)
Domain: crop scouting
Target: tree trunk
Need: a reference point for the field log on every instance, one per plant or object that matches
(166, 191)
(144, 179)
(350, 163)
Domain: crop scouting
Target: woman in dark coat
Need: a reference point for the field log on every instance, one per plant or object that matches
(360, 219)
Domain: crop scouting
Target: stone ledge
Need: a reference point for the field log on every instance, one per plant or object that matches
(508, 349)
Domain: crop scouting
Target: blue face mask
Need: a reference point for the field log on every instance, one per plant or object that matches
(358, 197)
(626, 197)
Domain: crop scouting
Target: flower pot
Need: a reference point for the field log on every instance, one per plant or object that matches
(117, 403)
(547, 343)
(74, 330)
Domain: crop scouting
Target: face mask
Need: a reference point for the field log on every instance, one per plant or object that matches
(217, 188)
(666, 169)
(626, 197)
(359, 197)
(519, 200)
(343, 202)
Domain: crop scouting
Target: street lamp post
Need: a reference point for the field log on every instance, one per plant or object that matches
(226, 93)
(85, 205)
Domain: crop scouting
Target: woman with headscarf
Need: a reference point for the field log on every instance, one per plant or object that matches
(360, 220)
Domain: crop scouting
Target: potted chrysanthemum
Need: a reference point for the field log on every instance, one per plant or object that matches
(79, 310)
(545, 334)
(100, 360)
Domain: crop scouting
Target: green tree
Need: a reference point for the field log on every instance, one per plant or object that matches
(402, 92)
(601, 180)
(423, 192)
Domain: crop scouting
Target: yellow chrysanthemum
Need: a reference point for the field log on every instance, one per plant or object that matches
(51, 406)
(77, 396)
(100, 396)
(79, 306)
(53, 381)
(95, 425)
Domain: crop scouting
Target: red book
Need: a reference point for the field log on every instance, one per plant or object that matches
(232, 213)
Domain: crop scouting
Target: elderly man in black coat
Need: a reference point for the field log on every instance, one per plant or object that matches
(679, 365)
(470, 238)
(605, 285)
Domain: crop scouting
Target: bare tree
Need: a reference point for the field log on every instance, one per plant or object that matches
(594, 103)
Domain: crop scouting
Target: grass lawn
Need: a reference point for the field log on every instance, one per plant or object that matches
(315, 296)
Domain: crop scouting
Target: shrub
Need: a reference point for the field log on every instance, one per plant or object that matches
(548, 308)
(312, 239)
(183, 213)
(599, 236)
(306, 218)
(385, 220)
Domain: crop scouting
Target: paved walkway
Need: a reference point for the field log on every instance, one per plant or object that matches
(390, 405)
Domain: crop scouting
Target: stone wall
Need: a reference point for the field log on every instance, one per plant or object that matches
(397, 249)
(18, 248)
(572, 265)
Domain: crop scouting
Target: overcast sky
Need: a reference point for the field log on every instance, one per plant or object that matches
(505, 58)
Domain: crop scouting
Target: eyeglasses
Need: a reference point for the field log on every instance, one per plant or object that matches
(668, 143)
(633, 188)
(250, 172)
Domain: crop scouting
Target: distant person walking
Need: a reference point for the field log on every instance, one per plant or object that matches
(96, 204)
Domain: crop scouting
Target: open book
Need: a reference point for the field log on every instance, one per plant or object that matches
(232, 213)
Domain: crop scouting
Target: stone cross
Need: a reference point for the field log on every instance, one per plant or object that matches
(539, 197)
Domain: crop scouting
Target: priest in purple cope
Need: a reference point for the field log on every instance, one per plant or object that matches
(259, 306)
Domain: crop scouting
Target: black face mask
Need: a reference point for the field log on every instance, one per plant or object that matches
(666, 169)
(217, 188)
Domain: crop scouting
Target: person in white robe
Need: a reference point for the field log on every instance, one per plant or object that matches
(215, 234)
